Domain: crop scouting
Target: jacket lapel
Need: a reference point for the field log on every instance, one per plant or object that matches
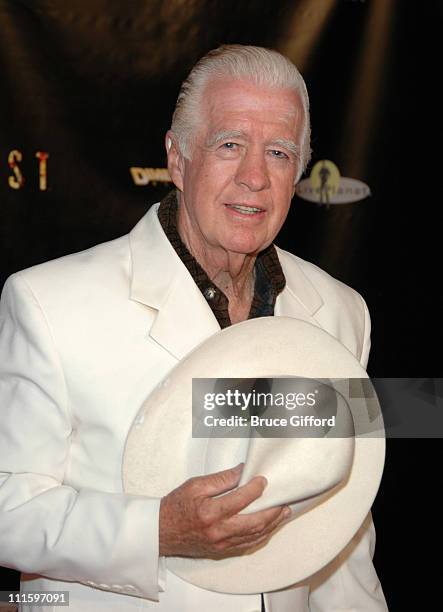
(183, 318)
(161, 281)
(299, 299)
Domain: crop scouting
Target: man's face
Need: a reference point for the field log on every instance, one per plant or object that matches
(237, 189)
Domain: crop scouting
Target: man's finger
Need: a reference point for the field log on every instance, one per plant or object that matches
(264, 521)
(219, 482)
(247, 527)
(242, 547)
(235, 501)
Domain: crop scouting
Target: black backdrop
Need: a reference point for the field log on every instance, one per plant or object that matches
(92, 83)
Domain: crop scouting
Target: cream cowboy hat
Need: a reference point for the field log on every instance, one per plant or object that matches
(329, 481)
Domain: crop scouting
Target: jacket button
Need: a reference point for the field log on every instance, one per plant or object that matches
(210, 293)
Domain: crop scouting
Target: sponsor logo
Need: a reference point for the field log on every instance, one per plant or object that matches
(326, 186)
(16, 180)
(144, 176)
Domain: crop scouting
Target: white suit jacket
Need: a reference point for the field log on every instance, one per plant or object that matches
(83, 340)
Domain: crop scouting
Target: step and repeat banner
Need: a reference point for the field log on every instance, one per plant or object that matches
(87, 92)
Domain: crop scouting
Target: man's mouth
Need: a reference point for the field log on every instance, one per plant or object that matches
(245, 210)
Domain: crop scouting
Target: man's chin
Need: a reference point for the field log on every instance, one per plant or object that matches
(251, 249)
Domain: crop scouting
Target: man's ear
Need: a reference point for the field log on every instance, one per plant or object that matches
(175, 160)
(297, 179)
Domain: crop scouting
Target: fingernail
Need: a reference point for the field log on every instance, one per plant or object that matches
(264, 481)
(287, 513)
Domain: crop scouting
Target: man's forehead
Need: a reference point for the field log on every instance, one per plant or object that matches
(227, 93)
(229, 104)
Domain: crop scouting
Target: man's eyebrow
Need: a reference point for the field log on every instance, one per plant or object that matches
(290, 145)
(217, 137)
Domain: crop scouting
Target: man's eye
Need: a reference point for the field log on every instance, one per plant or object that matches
(277, 153)
(229, 145)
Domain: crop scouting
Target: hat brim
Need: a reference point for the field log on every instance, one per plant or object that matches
(157, 455)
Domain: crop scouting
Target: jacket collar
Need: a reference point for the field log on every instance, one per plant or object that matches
(161, 281)
(299, 299)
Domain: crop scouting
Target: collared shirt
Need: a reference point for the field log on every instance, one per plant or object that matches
(269, 277)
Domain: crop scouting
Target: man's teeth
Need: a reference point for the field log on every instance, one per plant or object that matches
(247, 210)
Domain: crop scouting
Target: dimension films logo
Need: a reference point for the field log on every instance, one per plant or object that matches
(144, 176)
(326, 186)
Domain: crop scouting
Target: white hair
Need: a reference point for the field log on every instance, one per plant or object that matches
(264, 67)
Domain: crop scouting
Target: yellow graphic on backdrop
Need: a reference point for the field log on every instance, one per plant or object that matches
(326, 186)
(17, 180)
(325, 179)
(144, 176)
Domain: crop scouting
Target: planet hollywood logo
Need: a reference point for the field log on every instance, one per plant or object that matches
(325, 186)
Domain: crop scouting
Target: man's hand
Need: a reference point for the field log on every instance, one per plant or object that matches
(194, 522)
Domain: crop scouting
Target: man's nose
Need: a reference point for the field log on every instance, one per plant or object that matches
(252, 171)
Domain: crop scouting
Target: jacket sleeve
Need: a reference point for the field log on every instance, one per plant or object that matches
(107, 540)
(350, 583)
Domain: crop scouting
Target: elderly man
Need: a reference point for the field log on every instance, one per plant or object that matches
(86, 338)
